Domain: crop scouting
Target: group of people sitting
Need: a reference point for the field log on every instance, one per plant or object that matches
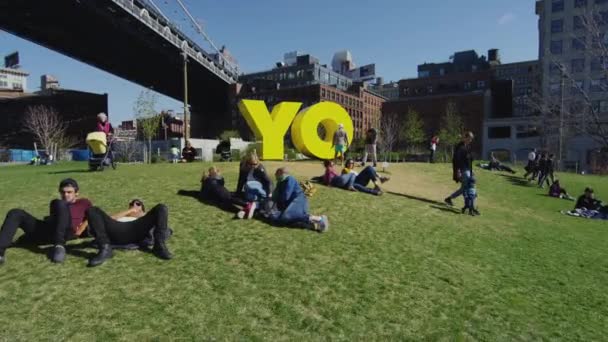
(257, 196)
(283, 204)
(188, 154)
(72, 217)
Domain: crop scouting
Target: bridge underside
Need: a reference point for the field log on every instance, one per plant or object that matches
(102, 34)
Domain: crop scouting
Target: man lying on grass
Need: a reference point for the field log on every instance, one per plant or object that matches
(65, 222)
(129, 227)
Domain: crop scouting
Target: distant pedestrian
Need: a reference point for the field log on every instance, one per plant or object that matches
(371, 138)
(340, 143)
(174, 154)
(433, 148)
(531, 163)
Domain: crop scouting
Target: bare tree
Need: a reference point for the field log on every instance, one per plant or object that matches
(128, 150)
(389, 131)
(148, 118)
(48, 128)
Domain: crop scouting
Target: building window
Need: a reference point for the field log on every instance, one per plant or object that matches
(481, 84)
(429, 89)
(578, 44)
(322, 92)
(577, 23)
(577, 65)
(580, 3)
(557, 6)
(604, 106)
(406, 91)
(467, 85)
(502, 132)
(597, 64)
(555, 89)
(557, 26)
(598, 85)
(578, 87)
(556, 47)
(3, 84)
(601, 1)
(526, 132)
(602, 17)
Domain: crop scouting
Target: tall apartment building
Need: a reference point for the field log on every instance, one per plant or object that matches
(567, 46)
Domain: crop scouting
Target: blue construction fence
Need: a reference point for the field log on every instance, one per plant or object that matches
(21, 156)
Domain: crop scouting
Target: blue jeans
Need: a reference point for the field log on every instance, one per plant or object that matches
(366, 175)
(296, 213)
(254, 191)
(343, 181)
(466, 174)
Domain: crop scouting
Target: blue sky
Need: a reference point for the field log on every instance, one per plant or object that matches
(397, 35)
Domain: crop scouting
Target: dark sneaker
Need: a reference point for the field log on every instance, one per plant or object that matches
(58, 255)
(161, 251)
(448, 201)
(475, 212)
(384, 179)
(105, 253)
(463, 210)
(378, 192)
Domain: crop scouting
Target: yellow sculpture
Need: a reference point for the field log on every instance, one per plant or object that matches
(270, 128)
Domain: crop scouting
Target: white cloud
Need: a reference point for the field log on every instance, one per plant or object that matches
(506, 18)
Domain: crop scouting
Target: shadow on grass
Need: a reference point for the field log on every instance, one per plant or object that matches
(196, 195)
(515, 180)
(421, 199)
(446, 209)
(69, 171)
(46, 249)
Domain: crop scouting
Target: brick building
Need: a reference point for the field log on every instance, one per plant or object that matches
(78, 109)
(363, 106)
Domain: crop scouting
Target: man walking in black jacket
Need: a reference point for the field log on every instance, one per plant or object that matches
(462, 165)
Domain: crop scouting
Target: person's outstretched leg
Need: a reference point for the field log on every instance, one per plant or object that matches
(465, 176)
(99, 222)
(374, 156)
(61, 222)
(156, 219)
(366, 175)
(17, 218)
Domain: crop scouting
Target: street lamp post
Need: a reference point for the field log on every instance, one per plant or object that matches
(186, 130)
(561, 121)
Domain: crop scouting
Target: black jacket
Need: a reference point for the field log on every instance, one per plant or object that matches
(461, 160)
(213, 189)
(588, 203)
(259, 174)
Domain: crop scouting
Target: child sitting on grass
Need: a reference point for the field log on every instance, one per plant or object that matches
(470, 194)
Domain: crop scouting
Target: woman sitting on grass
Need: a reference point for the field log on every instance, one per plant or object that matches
(367, 175)
(254, 185)
(291, 205)
(556, 190)
(214, 191)
(332, 178)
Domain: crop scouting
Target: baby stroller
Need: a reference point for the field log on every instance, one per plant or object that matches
(101, 152)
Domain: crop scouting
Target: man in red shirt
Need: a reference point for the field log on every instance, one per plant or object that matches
(66, 221)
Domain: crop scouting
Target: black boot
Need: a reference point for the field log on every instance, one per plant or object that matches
(105, 253)
(161, 251)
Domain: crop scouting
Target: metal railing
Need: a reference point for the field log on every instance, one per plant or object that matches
(179, 40)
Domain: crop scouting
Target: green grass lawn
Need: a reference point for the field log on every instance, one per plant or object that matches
(392, 267)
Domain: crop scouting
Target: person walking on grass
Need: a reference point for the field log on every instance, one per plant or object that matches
(547, 172)
(291, 205)
(66, 222)
(530, 167)
(371, 139)
(340, 143)
(433, 148)
(462, 165)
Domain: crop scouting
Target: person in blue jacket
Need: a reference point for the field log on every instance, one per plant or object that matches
(291, 205)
